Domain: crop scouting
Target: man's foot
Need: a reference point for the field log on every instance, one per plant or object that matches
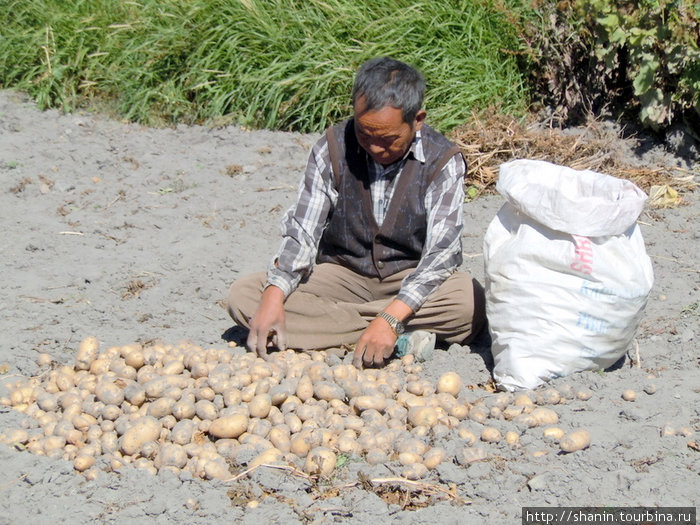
(419, 343)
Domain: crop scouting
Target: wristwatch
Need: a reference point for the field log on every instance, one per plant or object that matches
(396, 325)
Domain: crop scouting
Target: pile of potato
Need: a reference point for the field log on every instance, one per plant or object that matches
(183, 408)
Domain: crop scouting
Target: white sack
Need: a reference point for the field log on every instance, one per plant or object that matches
(567, 274)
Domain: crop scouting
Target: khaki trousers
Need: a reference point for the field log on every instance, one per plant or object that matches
(335, 305)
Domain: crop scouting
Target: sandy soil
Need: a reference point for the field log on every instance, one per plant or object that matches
(133, 234)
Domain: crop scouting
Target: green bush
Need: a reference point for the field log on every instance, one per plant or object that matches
(639, 59)
(280, 64)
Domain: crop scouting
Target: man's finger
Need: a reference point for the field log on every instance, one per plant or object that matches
(358, 356)
(251, 341)
(261, 346)
(281, 341)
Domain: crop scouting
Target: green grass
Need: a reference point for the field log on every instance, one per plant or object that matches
(278, 64)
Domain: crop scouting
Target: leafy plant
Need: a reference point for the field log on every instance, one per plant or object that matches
(598, 57)
(657, 44)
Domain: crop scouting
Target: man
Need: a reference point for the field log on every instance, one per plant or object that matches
(374, 239)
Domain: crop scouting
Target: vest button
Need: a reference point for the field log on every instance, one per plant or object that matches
(380, 265)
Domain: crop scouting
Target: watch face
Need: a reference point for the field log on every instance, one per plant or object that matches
(399, 328)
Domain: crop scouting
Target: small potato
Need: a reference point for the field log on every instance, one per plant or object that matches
(629, 395)
(299, 447)
(512, 438)
(320, 461)
(266, 457)
(305, 388)
(409, 458)
(143, 430)
(450, 383)
(522, 399)
(491, 435)
(553, 434)
(260, 405)
(375, 402)
(328, 391)
(415, 471)
(584, 394)
(109, 393)
(229, 427)
(512, 411)
(467, 435)
(433, 457)
(545, 416)
(422, 416)
(479, 413)
(214, 469)
(578, 440)
(82, 462)
(87, 352)
(171, 455)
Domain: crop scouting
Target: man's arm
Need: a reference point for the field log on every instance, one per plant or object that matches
(302, 228)
(442, 252)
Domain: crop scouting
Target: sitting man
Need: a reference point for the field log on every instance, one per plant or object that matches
(371, 246)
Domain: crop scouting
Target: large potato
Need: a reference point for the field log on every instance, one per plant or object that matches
(228, 427)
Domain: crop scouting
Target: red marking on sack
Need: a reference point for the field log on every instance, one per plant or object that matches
(583, 255)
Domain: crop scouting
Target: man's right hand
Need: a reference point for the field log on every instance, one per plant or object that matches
(268, 320)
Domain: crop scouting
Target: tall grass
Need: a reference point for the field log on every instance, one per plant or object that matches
(279, 64)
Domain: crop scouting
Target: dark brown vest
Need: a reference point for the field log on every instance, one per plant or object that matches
(352, 237)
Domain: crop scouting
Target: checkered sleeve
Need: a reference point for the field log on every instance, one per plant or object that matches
(304, 222)
(442, 252)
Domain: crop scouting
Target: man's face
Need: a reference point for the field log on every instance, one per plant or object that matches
(382, 133)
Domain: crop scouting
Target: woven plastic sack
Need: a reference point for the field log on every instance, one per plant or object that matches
(567, 274)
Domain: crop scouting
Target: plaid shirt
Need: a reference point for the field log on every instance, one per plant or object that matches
(304, 223)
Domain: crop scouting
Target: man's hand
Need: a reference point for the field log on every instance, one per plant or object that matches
(376, 344)
(268, 320)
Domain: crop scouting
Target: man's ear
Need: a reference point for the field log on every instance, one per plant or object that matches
(419, 120)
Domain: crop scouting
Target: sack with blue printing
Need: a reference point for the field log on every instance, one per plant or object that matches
(567, 274)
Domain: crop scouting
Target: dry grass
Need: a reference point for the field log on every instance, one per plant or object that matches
(487, 143)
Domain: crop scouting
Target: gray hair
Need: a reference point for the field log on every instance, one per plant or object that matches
(387, 82)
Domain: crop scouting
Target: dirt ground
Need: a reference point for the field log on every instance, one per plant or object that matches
(132, 234)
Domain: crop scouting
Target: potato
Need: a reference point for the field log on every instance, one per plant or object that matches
(479, 413)
(545, 416)
(328, 390)
(82, 462)
(206, 410)
(553, 434)
(109, 393)
(320, 461)
(305, 388)
(229, 426)
(422, 416)
(266, 457)
(512, 438)
(299, 446)
(161, 407)
(171, 455)
(578, 440)
(367, 402)
(467, 435)
(629, 395)
(433, 457)
(409, 458)
(415, 471)
(491, 435)
(143, 430)
(86, 354)
(216, 469)
(450, 383)
(522, 399)
(260, 405)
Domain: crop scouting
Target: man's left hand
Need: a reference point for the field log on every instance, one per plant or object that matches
(376, 344)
